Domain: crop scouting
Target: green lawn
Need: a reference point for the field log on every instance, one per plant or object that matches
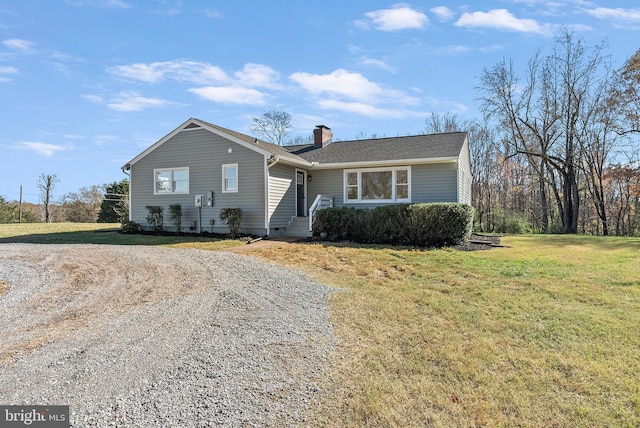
(545, 332)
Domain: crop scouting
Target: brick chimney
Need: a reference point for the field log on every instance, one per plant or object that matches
(322, 136)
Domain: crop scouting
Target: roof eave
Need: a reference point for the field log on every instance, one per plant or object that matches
(391, 162)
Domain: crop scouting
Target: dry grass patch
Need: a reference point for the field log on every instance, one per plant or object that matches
(541, 334)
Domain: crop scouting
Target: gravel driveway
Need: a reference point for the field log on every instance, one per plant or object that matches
(158, 337)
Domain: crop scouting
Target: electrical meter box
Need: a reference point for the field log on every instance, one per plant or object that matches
(198, 200)
(209, 199)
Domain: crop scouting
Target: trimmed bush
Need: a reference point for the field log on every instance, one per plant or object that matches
(233, 218)
(131, 227)
(434, 224)
(440, 224)
(175, 215)
(155, 217)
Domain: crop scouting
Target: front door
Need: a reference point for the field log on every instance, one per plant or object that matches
(300, 194)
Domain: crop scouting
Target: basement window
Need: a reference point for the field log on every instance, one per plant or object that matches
(373, 185)
(171, 180)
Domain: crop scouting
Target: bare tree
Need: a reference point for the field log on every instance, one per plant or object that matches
(625, 94)
(274, 126)
(46, 184)
(545, 115)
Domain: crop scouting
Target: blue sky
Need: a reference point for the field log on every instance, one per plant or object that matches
(86, 85)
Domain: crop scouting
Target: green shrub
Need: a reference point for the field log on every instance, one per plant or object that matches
(155, 218)
(387, 224)
(131, 227)
(440, 224)
(175, 215)
(233, 218)
(435, 224)
(339, 223)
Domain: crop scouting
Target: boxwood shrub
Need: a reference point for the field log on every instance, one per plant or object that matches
(425, 225)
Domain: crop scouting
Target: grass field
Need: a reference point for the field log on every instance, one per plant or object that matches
(545, 332)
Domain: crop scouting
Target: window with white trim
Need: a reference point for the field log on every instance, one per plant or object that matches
(377, 185)
(171, 180)
(230, 178)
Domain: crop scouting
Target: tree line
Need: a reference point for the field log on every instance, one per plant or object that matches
(107, 203)
(556, 150)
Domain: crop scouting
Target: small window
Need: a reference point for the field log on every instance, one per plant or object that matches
(171, 180)
(230, 178)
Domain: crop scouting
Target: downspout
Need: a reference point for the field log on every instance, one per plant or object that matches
(268, 163)
(128, 168)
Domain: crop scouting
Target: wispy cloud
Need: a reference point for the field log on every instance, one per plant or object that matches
(398, 17)
(5, 72)
(180, 70)
(618, 16)
(377, 63)
(502, 19)
(99, 3)
(442, 12)
(23, 46)
(43, 149)
(368, 110)
(133, 101)
(231, 95)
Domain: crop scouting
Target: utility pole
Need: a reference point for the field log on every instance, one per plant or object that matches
(20, 210)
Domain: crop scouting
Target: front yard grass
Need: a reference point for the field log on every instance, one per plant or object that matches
(545, 333)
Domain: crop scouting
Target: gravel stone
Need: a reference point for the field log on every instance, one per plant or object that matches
(160, 337)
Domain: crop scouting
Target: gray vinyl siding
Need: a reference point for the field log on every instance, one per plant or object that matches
(435, 182)
(203, 153)
(282, 195)
(464, 175)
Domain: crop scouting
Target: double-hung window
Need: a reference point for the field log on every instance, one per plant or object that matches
(171, 180)
(374, 185)
(230, 178)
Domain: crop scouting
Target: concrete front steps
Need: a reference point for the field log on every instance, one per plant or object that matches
(299, 226)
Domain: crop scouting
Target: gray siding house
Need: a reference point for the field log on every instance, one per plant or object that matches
(205, 168)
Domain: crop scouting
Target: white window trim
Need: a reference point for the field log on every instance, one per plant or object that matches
(394, 198)
(172, 191)
(224, 170)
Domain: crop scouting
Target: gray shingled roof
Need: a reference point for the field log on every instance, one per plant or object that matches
(385, 149)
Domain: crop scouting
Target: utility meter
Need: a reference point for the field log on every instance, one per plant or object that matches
(209, 199)
(198, 200)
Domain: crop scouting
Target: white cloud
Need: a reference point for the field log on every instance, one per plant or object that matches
(399, 17)
(200, 73)
(502, 19)
(377, 63)
(184, 71)
(617, 15)
(99, 3)
(96, 99)
(230, 95)
(257, 75)
(442, 12)
(338, 82)
(5, 71)
(368, 110)
(346, 84)
(24, 46)
(43, 149)
(132, 101)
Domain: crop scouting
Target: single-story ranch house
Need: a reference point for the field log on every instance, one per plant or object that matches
(206, 168)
